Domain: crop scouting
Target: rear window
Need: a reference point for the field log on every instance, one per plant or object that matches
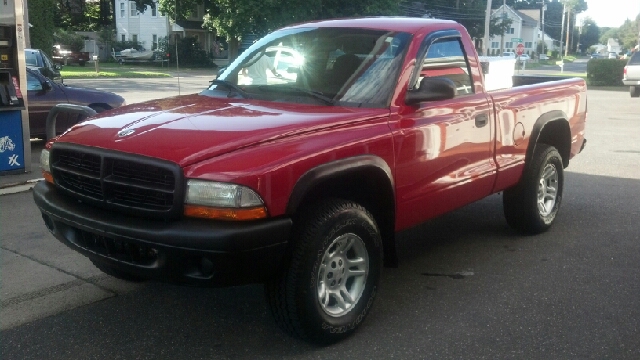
(635, 59)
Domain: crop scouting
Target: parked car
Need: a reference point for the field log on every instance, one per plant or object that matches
(62, 54)
(613, 55)
(524, 57)
(595, 56)
(301, 183)
(38, 60)
(43, 94)
(631, 76)
(509, 54)
(543, 57)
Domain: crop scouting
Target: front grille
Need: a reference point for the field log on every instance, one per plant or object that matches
(118, 181)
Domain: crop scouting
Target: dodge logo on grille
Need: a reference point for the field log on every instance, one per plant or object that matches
(125, 132)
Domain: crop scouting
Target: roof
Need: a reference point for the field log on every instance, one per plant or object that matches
(526, 19)
(405, 24)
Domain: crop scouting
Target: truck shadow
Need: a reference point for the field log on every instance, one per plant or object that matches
(461, 253)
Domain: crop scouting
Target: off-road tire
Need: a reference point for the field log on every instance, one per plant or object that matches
(118, 274)
(634, 91)
(295, 297)
(524, 204)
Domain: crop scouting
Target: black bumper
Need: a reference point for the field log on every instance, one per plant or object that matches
(193, 251)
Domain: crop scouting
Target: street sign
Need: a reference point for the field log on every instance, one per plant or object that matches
(520, 49)
(516, 40)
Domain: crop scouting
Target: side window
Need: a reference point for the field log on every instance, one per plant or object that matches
(446, 58)
(33, 83)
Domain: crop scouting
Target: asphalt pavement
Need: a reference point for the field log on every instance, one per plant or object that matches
(467, 287)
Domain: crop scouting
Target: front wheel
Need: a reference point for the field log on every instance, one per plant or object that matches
(331, 281)
(532, 205)
(634, 91)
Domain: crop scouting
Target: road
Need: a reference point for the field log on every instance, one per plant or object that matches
(138, 90)
(571, 293)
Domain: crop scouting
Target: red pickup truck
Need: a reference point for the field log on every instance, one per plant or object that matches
(304, 158)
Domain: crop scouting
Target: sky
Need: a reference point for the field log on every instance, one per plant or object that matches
(611, 13)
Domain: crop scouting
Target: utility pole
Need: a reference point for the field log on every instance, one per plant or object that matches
(504, 5)
(544, 45)
(564, 10)
(566, 48)
(487, 23)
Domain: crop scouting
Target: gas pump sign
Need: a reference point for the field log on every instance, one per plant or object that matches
(11, 145)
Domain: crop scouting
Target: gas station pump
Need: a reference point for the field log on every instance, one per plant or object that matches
(15, 148)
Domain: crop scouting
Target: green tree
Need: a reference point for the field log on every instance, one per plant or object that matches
(234, 18)
(40, 15)
(589, 33)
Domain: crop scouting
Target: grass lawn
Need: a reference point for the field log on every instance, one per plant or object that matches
(111, 70)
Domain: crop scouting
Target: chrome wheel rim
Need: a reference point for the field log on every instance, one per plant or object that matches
(342, 274)
(548, 190)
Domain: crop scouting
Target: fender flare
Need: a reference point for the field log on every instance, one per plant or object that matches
(326, 171)
(538, 127)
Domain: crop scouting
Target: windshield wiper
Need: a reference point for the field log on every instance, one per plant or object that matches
(231, 86)
(296, 90)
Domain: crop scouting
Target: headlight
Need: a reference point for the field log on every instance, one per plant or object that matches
(46, 167)
(44, 160)
(215, 200)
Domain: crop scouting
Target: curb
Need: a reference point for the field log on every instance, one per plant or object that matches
(18, 187)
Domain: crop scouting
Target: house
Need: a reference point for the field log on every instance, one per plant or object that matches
(525, 27)
(150, 26)
(613, 46)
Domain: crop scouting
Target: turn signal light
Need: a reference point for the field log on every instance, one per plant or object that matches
(47, 177)
(225, 213)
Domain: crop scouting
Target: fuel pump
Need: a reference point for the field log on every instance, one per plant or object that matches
(15, 149)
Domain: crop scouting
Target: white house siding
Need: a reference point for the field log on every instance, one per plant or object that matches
(529, 34)
(144, 25)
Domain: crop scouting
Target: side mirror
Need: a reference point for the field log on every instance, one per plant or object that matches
(432, 89)
(57, 67)
(46, 85)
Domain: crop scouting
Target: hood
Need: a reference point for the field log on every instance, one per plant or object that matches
(189, 129)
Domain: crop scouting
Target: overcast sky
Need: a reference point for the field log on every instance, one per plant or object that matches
(611, 13)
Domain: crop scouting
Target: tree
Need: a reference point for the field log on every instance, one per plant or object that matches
(235, 18)
(589, 34)
(40, 15)
(469, 13)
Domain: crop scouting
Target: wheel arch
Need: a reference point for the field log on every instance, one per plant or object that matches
(366, 179)
(552, 129)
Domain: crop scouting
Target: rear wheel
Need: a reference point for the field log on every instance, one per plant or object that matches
(532, 205)
(82, 63)
(332, 279)
(634, 91)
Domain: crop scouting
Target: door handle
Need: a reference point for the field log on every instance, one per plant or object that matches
(482, 120)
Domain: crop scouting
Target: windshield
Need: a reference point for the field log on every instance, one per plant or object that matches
(345, 66)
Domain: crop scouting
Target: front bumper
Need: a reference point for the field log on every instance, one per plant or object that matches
(194, 251)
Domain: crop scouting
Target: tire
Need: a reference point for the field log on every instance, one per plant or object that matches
(317, 307)
(634, 91)
(531, 206)
(82, 63)
(118, 274)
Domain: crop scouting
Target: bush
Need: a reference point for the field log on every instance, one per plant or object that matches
(189, 51)
(605, 72)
